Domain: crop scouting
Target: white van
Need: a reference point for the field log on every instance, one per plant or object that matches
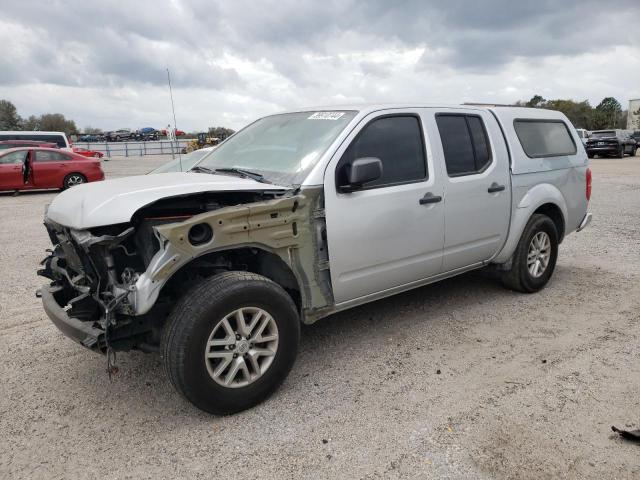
(59, 138)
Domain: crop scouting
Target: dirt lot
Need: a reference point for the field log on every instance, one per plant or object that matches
(462, 379)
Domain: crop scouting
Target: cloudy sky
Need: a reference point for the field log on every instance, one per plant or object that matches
(103, 63)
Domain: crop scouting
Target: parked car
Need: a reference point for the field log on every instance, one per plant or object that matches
(636, 137)
(610, 143)
(59, 138)
(43, 168)
(147, 133)
(583, 134)
(88, 153)
(184, 162)
(118, 135)
(177, 132)
(4, 144)
(216, 268)
(91, 138)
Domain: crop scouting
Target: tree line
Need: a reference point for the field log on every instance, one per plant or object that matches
(50, 122)
(607, 114)
(56, 122)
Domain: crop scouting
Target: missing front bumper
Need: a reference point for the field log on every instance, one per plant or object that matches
(81, 332)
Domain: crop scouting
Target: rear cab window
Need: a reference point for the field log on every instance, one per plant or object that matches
(544, 138)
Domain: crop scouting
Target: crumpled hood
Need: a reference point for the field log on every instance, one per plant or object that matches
(115, 201)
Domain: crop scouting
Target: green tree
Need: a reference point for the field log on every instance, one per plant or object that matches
(536, 101)
(579, 113)
(220, 132)
(9, 118)
(31, 123)
(57, 123)
(609, 110)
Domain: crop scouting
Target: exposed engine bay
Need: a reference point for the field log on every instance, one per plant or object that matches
(123, 279)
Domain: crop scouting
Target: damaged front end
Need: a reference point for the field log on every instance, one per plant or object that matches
(112, 287)
(93, 273)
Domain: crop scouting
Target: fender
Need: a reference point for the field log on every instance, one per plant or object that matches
(535, 197)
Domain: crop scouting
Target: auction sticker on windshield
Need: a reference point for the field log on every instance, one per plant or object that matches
(326, 116)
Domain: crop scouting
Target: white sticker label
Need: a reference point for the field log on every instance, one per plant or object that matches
(326, 116)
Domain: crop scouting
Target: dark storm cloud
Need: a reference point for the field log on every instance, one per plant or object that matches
(121, 43)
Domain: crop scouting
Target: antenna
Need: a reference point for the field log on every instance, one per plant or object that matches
(175, 126)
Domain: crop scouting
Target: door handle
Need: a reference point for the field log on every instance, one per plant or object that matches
(430, 198)
(495, 188)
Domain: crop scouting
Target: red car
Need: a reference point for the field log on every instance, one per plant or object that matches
(4, 144)
(178, 133)
(88, 153)
(39, 168)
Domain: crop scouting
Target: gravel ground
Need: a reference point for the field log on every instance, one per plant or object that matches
(462, 379)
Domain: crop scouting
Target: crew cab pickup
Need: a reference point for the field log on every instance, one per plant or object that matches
(300, 215)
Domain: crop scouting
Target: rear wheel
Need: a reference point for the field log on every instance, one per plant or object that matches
(231, 341)
(535, 257)
(73, 179)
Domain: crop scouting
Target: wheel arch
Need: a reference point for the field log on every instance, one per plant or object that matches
(251, 258)
(543, 199)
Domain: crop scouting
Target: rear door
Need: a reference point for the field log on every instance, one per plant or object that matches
(477, 186)
(50, 168)
(11, 170)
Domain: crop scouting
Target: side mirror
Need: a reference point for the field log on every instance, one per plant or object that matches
(26, 167)
(361, 171)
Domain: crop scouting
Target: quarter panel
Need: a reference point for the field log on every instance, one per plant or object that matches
(564, 188)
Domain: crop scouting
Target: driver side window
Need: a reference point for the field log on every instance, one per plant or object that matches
(398, 142)
(14, 157)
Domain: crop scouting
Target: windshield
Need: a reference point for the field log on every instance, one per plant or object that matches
(283, 148)
(187, 162)
(603, 133)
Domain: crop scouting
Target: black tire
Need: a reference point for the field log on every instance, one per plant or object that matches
(193, 319)
(590, 155)
(621, 152)
(518, 277)
(72, 180)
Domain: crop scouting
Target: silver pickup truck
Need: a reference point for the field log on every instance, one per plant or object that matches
(300, 215)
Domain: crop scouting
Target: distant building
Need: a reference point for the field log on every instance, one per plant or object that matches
(633, 115)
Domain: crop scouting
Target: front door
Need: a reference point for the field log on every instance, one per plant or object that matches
(389, 233)
(477, 186)
(11, 170)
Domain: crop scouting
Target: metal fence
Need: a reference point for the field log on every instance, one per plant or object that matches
(127, 149)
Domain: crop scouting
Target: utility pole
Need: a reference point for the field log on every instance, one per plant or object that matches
(175, 126)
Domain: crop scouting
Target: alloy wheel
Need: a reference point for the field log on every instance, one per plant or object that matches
(74, 180)
(241, 347)
(539, 254)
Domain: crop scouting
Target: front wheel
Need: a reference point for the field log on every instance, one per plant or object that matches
(621, 152)
(535, 257)
(231, 341)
